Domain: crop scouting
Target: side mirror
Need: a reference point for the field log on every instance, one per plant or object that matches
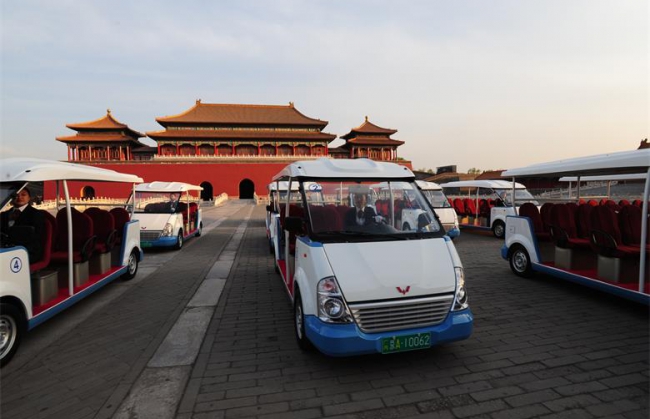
(423, 220)
(293, 225)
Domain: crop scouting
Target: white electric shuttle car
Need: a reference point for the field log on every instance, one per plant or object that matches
(169, 213)
(484, 204)
(359, 284)
(602, 246)
(441, 205)
(81, 251)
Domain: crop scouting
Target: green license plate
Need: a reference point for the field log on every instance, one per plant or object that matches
(145, 244)
(405, 343)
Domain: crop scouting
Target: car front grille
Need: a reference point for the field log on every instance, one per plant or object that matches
(382, 316)
(149, 236)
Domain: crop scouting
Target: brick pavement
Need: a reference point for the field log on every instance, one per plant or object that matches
(540, 348)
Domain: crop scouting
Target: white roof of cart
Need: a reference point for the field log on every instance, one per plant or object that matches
(494, 184)
(603, 178)
(283, 186)
(40, 170)
(635, 161)
(428, 186)
(167, 187)
(345, 169)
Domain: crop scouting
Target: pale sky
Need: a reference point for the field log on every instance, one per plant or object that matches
(480, 84)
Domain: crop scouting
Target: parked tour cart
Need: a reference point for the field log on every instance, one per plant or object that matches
(359, 284)
(601, 246)
(81, 251)
(441, 205)
(277, 194)
(168, 213)
(484, 204)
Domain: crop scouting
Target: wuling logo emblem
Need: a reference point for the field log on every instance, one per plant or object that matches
(404, 291)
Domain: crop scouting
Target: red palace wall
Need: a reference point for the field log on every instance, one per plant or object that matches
(224, 177)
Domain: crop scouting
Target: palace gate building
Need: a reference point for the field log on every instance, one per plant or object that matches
(231, 148)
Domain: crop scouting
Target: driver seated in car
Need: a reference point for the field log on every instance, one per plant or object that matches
(361, 214)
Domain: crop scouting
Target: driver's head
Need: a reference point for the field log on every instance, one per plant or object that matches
(173, 196)
(360, 200)
(22, 198)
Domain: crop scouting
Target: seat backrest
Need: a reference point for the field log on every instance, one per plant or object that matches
(623, 202)
(483, 207)
(121, 217)
(333, 217)
(629, 219)
(583, 220)
(470, 207)
(545, 213)
(603, 218)
(530, 210)
(592, 202)
(103, 222)
(318, 218)
(637, 203)
(52, 220)
(562, 216)
(46, 239)
(459, 207)
(82, 229)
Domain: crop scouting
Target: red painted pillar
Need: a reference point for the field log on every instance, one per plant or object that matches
(158, 149)
(259, 149)
(233, 149)
(276, 149)
(178, 150)
(327, 150)
(196, 150)
(215, 149)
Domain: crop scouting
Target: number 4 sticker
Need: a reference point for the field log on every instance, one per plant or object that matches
(16, 265)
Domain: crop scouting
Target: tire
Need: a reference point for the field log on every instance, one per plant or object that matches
(132, 266)
(499, 229)
(406, 227)
(299, 323)
(271, 248)
(200, 230)
(179, 240)
(277, 270)
(12, 327)
(520, 262)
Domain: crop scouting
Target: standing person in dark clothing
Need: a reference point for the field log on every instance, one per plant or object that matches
(23, 214)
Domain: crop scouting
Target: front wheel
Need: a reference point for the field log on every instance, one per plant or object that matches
(199, 230)
(132, 266)
(499, 229)
(406, 227)
(520, 262)
(299, 322)
(11, 331)
(179, 240)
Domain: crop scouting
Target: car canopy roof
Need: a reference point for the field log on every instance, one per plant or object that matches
(39, 170)
(283, 186)
(167, 187)
(494, 184)
(324, 168)
(603, 178)
(428, 186)
(635, 161)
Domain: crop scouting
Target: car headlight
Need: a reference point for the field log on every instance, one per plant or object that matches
(168, 230)
(460, 301)
(331, 307)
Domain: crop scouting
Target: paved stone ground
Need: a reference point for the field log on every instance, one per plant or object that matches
(540, 348)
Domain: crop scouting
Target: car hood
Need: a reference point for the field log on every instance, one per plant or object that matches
(392, 269)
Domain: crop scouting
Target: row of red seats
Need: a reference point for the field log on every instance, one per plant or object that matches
(467, 206)
(94, 230)
(608, 232)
